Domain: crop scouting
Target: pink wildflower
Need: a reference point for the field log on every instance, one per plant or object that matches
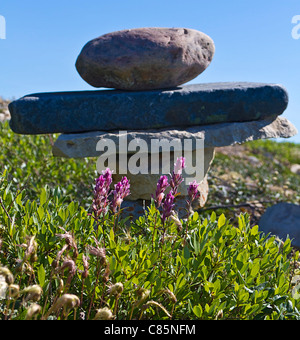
(193, 191)
(176, 177)
(101, 192)
(160, 189)
(122, 190)
(168, 206)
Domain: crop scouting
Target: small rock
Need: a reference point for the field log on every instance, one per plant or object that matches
(282, 220)
(295, 168)
(254, 161)
(145, 58)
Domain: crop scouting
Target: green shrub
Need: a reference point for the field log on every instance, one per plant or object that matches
(58, 263)
(31, 166)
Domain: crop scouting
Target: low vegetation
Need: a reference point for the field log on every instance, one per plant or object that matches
(66, 252)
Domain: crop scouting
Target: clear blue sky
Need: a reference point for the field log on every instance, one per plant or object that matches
(253, 40)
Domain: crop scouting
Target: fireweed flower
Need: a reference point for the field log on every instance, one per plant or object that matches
(179, 165)
(161, 187)
(107, 175)
(168, 206)
(176, 176)
(101, 191)
(122, 190)
(193, 191)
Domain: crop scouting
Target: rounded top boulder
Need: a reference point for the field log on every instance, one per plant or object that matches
(145, 58)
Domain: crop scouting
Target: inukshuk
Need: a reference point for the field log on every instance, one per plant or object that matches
(146, 103)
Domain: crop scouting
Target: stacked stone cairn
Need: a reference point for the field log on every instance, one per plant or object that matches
(143, 70)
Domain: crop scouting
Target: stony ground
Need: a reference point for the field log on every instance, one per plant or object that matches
(253, 176)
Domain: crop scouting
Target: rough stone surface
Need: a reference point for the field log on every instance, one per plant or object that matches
(145, 58)
(215, 135)
(190, 105)
(143, 185)
(282, 220)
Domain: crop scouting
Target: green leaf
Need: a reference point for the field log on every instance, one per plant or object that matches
(41, 212)
(180, 281)
(19, 199)
(287, 246)
(198, 311)
(195, 216)
(154, 256)
(241, 221)
(221, 221)
(254, 230)
(196, 245)
(71, 208)
(41, 275)
(213, 217)
(217, 286)
(43, 196)
(186, 252)
(111, 235)
(279, 299)
(255, 268)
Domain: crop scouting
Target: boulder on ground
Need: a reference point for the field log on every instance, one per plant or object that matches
(282, 220)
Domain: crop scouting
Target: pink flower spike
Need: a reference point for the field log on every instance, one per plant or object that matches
(193, 190)
(176, 177)
(179, 165)
(160, 189)
(101, 192)
(168, 206)
(122, 190)
(107, 175)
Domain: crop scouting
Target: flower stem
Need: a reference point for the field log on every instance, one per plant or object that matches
(155, 221)
(96, 285)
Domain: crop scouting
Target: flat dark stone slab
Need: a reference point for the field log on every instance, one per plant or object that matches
(107, 110)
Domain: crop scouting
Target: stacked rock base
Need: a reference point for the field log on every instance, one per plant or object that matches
(144, 185)
(146, 67)
(126, 126)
